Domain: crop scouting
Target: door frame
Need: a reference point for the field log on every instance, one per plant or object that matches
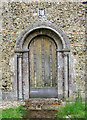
(21, 83)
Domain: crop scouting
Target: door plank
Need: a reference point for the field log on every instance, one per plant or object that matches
(53, 65)
(31, 59)
(47, 59)
(38, 61)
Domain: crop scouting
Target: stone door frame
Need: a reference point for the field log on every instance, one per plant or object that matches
(21, 82)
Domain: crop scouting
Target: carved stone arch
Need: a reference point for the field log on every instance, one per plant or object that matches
(39, 25)
(21, 84)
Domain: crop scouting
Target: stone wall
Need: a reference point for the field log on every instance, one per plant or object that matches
(69, 16)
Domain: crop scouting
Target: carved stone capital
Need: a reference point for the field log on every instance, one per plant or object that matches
(19, 55)
(63, 50)
(65, 54)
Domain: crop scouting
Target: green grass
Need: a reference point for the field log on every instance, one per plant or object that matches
(75, 109)
(15, 112)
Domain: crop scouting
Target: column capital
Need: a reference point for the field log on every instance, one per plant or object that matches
(21, 50)
(65, 53)
(63, 50)
(20, 55)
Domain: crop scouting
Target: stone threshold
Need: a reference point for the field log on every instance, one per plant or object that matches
(42, 103)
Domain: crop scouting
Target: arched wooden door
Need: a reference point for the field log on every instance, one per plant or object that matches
(43, 68)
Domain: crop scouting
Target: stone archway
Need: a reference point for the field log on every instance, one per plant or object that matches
(22, 75)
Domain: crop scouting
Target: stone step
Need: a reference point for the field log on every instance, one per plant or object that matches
(43, 103)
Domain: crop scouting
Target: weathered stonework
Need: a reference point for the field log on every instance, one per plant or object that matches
(69, 17)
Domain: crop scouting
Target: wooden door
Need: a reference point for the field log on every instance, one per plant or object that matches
(43, 67)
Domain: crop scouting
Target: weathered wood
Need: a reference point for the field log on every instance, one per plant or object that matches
(54, 81)
(46, 57)
(31, 58)
(42, 57)
(38, 61)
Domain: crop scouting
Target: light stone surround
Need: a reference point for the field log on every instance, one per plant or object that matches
(22, 60)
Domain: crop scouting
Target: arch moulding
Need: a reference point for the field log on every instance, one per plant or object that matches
(42, 25)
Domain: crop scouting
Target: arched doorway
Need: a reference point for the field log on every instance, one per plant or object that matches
(43, 67)
(42, 57)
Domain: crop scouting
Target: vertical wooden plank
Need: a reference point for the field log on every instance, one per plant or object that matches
(43, 62)
(31, 59)
(38, 61)
(35, 65)
(54, 81)
(47, 59)
(50, 62)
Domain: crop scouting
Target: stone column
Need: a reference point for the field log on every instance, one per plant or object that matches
(70, 76)
(65, 75)
(15, 85)
(60, 74)
(26, 75)
(20, 76)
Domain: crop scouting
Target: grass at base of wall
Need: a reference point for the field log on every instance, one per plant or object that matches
(15, 112)
(75, 109)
